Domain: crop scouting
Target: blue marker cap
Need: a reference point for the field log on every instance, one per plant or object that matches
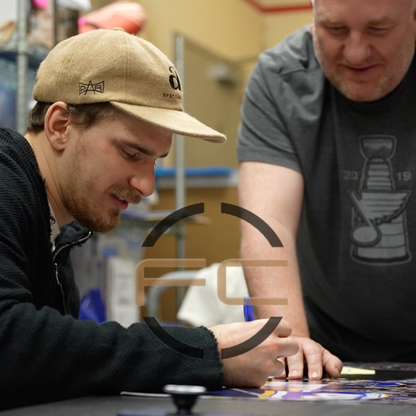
(248, 310)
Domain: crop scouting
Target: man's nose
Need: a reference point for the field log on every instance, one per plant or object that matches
(356, 49)
(144, 179)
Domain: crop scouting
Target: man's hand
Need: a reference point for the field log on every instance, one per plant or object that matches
(252, 368)
(315, 358)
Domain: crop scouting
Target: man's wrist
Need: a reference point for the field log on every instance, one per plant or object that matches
(300, 333)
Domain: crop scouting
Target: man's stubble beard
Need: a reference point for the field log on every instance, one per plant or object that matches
(342, 86)
(83, 210)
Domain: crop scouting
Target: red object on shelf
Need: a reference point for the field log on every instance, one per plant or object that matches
(280, 8)
(128, 15)
(42, 4)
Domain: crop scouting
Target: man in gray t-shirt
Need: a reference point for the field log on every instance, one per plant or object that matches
(326, 150)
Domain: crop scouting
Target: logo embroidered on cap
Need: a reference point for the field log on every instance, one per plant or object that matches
(174, 80)
(90, 87)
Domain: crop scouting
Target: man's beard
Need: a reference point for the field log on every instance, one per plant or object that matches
(89, 215)
(84, 213)
(342, 86)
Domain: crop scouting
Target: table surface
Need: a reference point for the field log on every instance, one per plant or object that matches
(111, 405)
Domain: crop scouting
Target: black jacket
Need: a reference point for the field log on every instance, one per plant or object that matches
(46, 353)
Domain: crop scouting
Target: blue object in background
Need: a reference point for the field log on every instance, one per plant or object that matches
(92, 307)
(194, 171)
(248, 310)
(8, 88)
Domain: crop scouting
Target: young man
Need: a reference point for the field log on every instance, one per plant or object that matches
(108, 103)
(327, 153)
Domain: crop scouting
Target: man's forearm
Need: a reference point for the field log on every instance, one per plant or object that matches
(282, 282)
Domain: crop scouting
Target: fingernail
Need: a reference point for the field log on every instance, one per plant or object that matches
(314, 374)
(294, 373)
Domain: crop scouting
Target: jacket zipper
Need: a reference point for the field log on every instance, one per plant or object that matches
(80, 241)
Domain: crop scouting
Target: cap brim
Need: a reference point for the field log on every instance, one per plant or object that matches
(172, 120)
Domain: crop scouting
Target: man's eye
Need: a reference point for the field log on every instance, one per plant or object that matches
(337, 30)
(130, 156)
(378, 30)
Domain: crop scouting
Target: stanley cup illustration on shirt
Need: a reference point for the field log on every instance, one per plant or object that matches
(379, 233)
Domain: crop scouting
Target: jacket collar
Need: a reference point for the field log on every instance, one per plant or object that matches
(72, 234)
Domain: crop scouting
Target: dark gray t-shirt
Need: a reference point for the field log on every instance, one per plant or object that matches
(356, 241)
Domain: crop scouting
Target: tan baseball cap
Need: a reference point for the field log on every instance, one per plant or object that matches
(125, 70)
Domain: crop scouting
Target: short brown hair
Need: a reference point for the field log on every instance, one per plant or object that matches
(82, 114)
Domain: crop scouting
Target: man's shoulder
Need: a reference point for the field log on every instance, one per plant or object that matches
(290, 78)
(293, 54)
(19, 171)
(13, 143)
(9, 136)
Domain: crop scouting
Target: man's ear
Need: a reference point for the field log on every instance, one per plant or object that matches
(312, 29)
(56, 125)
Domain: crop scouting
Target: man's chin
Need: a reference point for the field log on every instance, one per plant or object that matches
(360, 93)
(100, 225)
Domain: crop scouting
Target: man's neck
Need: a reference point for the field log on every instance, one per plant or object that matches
(46, 158)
